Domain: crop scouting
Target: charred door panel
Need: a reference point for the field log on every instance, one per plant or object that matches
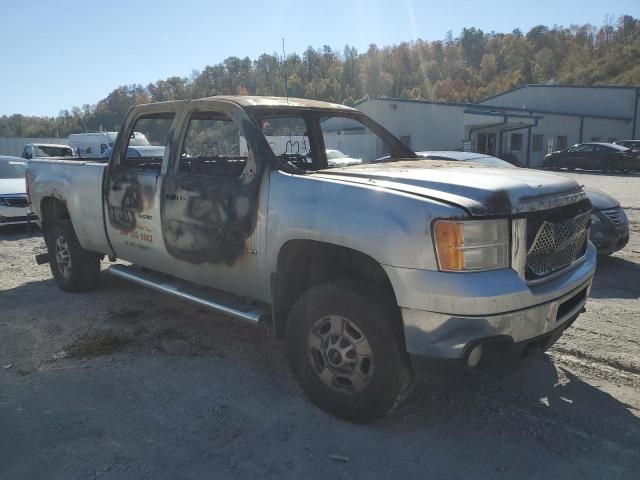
(208, 219)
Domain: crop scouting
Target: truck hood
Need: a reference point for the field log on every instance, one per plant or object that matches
(11, 185)
(479, 189)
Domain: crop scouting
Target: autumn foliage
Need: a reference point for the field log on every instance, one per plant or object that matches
(463, 69)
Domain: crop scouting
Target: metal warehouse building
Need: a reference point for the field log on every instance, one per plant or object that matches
(526, 122)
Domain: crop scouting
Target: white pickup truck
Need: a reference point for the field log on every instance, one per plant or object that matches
(365, 269)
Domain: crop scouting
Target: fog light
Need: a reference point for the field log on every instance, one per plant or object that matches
(473, 359)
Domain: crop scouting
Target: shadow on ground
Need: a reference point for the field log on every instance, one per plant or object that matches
(183, 393)
(19, 232)
(616, 277)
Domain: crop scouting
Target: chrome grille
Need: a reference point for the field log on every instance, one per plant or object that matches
(616, 215)
(558, 245)
(15, 201)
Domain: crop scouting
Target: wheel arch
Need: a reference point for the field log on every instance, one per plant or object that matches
(303, 264)
(52, 209)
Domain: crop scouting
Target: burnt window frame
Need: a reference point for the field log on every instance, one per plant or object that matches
(120, 149)
(255, 164)
(191, 115)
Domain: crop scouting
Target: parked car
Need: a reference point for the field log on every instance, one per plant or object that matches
(137, 152)
(94, 144)
(14, 207)
(609, 224)
(473, 157)
(47, 150)
(335, 158)
(367, 270)
(632, 144)
(594, 156)
(609, 230)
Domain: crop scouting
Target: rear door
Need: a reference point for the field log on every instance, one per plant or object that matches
(133, 188)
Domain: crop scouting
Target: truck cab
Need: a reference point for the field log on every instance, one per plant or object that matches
(365, 268)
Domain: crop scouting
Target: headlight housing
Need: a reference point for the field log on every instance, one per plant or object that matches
(472, 245)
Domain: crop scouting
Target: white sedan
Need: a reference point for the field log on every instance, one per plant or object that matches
(14, 206)
(335, 158)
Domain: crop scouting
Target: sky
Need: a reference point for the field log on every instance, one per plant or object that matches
(56, 55)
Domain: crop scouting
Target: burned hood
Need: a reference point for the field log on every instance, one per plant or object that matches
(479, 189)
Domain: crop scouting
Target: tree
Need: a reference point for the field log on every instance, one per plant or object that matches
(462, 69)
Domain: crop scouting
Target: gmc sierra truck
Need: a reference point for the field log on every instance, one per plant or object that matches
(366, 270)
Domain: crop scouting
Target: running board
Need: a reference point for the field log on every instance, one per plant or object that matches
(221, 303)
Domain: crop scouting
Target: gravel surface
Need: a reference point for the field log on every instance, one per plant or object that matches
(125, 383)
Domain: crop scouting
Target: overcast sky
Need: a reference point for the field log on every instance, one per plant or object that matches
(57, 55)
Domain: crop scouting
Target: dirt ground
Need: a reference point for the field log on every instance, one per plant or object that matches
(125, 383)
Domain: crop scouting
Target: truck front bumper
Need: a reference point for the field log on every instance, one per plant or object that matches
(446, 315)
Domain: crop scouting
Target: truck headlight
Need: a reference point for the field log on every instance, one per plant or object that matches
(472, 245)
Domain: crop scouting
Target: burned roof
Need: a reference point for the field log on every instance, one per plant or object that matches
(259, 101)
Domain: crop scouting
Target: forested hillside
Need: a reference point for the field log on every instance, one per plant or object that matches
(461, 69)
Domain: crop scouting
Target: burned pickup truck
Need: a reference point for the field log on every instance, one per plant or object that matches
(366, 269)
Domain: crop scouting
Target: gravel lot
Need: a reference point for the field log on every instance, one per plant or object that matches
(123, 382)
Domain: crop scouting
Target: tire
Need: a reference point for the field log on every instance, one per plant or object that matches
(81, 270)
(371, 373)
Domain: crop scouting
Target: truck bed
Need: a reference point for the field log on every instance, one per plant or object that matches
(79, 185)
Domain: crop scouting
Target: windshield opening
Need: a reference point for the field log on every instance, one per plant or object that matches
(51, 151)
(311, 141)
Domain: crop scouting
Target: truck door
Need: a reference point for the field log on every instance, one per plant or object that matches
(211, 226)
(133, 189)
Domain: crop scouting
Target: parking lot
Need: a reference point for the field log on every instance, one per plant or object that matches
(124, 382)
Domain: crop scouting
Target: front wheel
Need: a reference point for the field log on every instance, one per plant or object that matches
(345, 353)
(73, 268)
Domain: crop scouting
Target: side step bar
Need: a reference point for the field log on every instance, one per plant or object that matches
(186, 291)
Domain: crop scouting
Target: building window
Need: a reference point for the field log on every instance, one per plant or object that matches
(538, 140)
(561, 144)
(406, 139)
(516, 142)
(595, 139)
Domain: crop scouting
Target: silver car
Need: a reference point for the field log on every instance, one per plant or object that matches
(14, 206)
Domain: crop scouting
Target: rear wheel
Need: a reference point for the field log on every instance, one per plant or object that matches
(345, 353)
(73, 268)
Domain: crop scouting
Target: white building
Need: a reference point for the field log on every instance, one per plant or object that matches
(526, 122)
